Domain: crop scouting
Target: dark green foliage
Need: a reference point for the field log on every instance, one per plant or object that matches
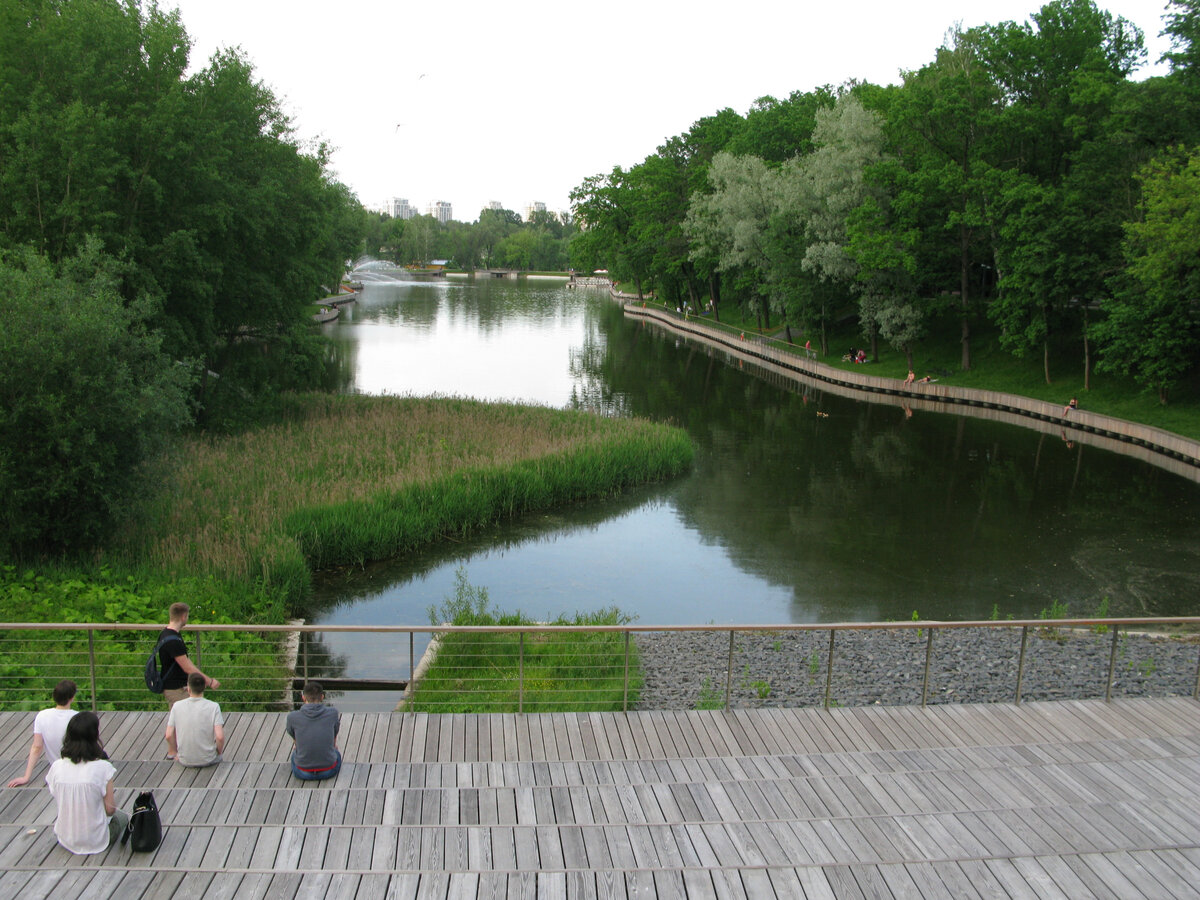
(86, 395)
(32, 661)
(196, 182)
(1007, 183)
(1153, 321)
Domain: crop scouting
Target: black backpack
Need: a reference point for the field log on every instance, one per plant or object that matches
(144, 832)
(155, 679)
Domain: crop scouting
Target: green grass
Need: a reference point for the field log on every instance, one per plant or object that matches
(491, 672)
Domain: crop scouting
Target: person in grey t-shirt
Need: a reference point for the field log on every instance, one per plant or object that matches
(314, 727)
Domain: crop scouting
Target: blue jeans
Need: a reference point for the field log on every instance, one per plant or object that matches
(317, 776)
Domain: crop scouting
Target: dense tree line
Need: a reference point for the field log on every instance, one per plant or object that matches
(1022, 177)
(162, 238)
(499, 239)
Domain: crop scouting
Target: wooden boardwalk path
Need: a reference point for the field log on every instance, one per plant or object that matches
(1064, 799)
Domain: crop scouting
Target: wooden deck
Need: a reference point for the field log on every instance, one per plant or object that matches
(1070, 799)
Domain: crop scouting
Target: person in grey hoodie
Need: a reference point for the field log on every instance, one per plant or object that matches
(314, 727)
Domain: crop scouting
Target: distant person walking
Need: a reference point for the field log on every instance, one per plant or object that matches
(173, 660)
(81, 783)
(49, 727)
(195, 728)
(314, 728)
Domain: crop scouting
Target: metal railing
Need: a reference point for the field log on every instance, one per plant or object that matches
(623, 667)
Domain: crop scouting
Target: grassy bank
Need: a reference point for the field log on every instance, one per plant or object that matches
(995, 369)
(492, 672)
(346, 479)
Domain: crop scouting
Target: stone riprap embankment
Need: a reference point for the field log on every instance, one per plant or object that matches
(685, 670)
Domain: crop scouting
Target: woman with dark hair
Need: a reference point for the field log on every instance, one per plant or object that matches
(81, 782)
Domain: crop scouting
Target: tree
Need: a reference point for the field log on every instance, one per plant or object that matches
(1059, 77)
(86, 396)
(1153, 316)
(92, 95)
(733, 223)
(777, 130)
(606, 206)
(883, 245)
(823, 190)
(418, 244)
(1183, 27)
(942, 123)
(198, 183)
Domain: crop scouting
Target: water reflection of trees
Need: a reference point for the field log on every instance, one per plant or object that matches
(851, 503)
(356, 584)
(315, 661)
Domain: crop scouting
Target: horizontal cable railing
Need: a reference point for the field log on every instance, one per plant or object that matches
(542, 668)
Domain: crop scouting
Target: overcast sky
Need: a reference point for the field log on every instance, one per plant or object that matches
(516, 101)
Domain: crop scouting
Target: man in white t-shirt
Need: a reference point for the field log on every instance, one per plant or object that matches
(48, 728)
(195, 728)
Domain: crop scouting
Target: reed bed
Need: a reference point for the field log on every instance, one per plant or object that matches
(346, 479)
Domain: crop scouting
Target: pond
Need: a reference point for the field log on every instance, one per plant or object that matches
(801, 507)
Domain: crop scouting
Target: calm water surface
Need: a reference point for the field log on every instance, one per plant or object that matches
(801, 507)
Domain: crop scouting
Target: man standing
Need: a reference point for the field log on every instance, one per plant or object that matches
(48, 728)
(173, 660)
(314, 727)
(195, 728)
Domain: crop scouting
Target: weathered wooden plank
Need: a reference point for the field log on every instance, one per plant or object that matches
(929, 807)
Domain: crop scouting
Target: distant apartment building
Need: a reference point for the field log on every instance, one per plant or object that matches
(534, 206)
(440, 210)
(495, 205)
(400, 208)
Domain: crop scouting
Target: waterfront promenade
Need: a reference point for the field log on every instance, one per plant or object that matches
(777, 360)
(1057, 799)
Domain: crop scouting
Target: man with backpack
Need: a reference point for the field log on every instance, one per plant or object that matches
(173, 659)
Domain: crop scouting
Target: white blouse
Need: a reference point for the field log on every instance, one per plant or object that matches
(78, 789)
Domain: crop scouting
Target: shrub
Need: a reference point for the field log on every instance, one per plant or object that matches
(85, 397)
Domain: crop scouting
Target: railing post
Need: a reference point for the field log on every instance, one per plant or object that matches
(928, 654)
(1196, 689)
(521, 674)
(729, 671)
(1112, 664)
(625, 701)
(92, 664)
(198, 663)
(829, 668)
(410, 705)
(1021, 662)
